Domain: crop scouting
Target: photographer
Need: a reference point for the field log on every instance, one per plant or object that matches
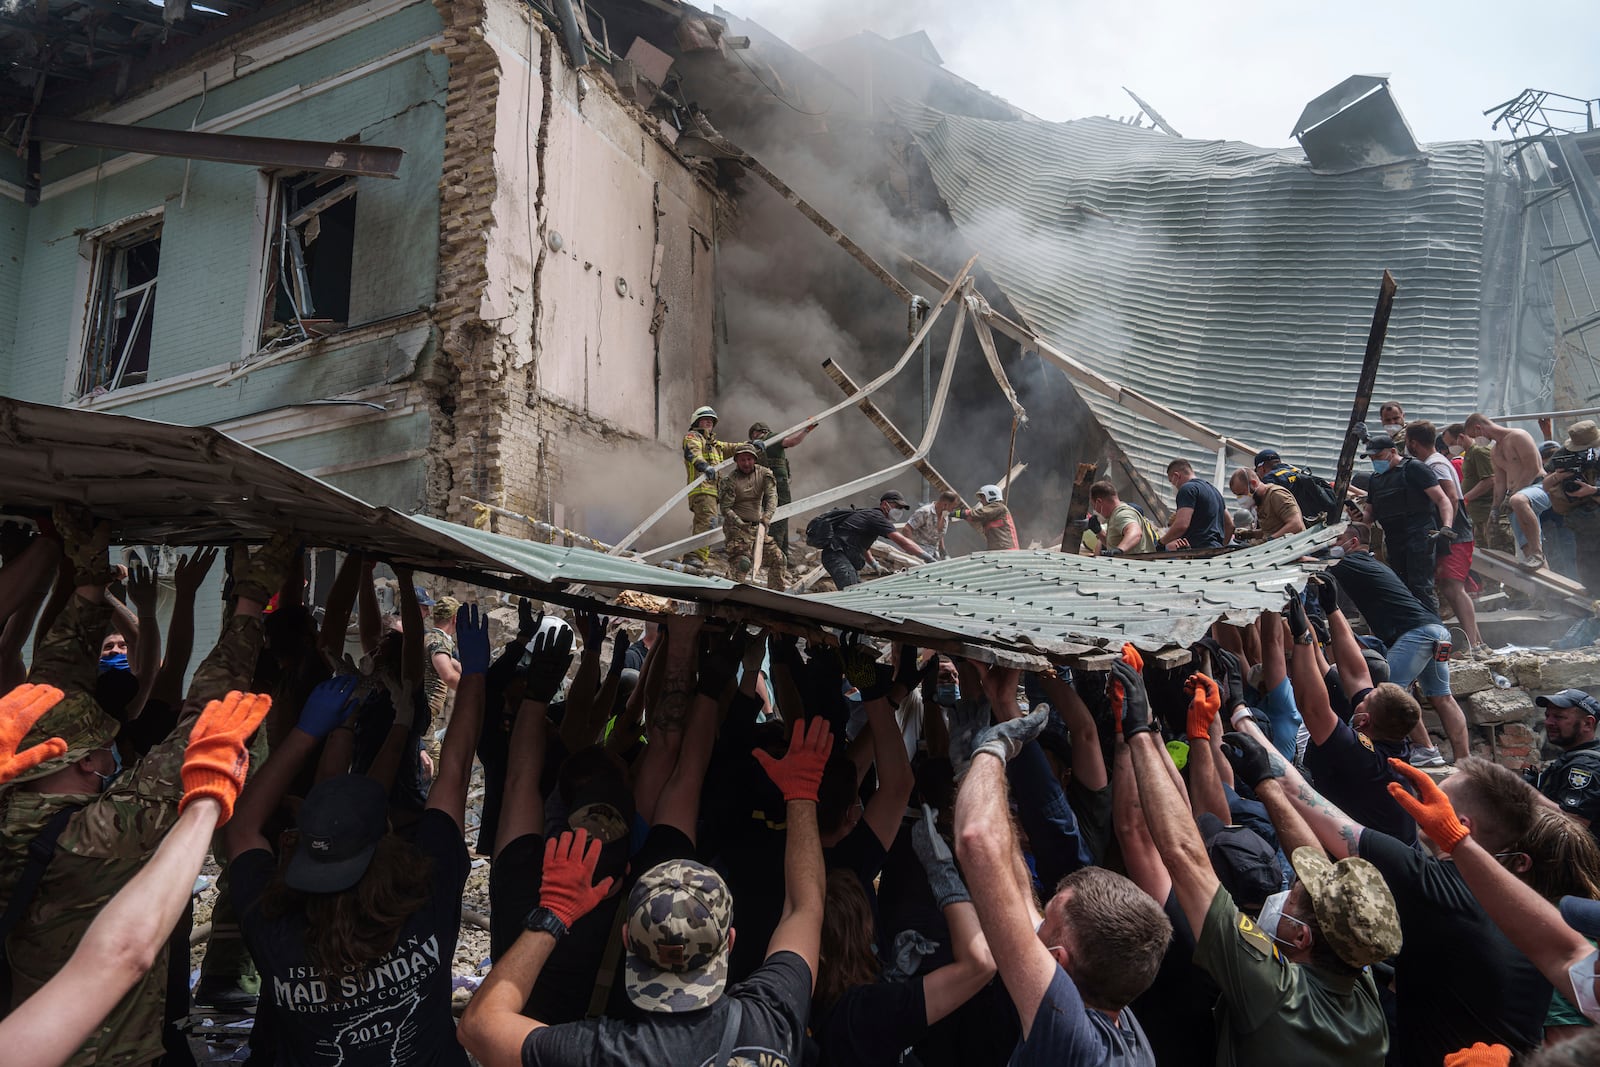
(1573, 485)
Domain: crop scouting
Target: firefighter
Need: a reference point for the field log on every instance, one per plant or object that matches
(993, 518)
(702, 452)
(748, 496)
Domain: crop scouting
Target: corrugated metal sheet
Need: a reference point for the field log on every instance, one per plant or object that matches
(1225, 280)
(183, 485)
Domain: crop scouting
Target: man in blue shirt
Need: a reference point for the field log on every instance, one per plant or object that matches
(1200, 518)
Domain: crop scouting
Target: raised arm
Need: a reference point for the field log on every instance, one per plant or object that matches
(336, 612)
(1354, 674)
(1205, 783)
(987, 846)
(369, 617)
(449, 790)
(1088, 759)
(1263, 770)
(799, 435)
(147, 666)
(522, 809)
(947, 988)
(798, 775)
(1139, 853)
(187, 577)
(887, 805)
(1310, 691)
(579, 727)
(1337, 832)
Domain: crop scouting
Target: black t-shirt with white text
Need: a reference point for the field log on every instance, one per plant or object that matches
(775, 1001)
(1458, 979)
(397, 1010)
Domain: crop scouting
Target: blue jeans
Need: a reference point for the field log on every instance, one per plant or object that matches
(1540, 500)
(1284, 716)
(1049, 821)
(1411, 660)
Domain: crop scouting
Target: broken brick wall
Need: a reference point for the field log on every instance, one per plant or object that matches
(577, 289)
(1505, 723)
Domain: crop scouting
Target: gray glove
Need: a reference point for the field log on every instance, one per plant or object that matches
(1005, 739)
(938, 862)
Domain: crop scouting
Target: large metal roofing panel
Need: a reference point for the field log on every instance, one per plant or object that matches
(183, 485)
(1228, 281)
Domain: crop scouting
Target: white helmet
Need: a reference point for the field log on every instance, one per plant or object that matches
(989, 493)
(550, 624)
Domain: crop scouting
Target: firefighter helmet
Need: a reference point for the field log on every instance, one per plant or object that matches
(989, 494)
(702, 413)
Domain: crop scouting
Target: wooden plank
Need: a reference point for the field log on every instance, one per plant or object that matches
(1500, 567)
(1077, 510)
(886, 426)
(1364, 385)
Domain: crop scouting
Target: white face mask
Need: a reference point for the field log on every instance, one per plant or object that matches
(1272, 917)
(1582, 976)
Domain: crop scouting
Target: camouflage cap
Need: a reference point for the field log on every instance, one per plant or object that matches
(77, 720)
(761, 429)
(444, 608)
(1353, 905)
(679, 916)
(747, 450)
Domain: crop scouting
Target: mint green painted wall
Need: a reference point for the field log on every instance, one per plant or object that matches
(209, 235)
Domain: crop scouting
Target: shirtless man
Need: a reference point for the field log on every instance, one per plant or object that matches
(1517, 466)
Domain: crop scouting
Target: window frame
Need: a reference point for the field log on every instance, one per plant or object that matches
(99, 249)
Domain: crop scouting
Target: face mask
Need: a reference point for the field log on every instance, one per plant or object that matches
(1582, 976)
(947, 695)
(1380, 466)
(1272, 917)
(116, 769)
(1394, 429)
(119, 662)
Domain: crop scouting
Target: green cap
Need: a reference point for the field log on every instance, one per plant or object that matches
(79, 722)
(1353, 905)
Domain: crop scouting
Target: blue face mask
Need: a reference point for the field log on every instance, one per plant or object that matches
(948, 695)
(116, 768)
(1380, 466)
(119, 662)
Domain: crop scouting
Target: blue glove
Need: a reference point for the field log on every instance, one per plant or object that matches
(329, 705)
(472, 640)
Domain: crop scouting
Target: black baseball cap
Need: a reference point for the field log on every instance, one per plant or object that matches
(1379, 442)
(1267, 455)
(893, 497)
(342, 820)
(1244, 863)
(1571, 698)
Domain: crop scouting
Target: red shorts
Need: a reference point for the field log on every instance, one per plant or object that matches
(1456, 565)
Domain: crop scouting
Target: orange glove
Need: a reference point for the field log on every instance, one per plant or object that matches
(1131, 657)
(215, 762)
(568, 889)
(799, 773)
(1204, 702)
(1431, 808)
(19, 710)
(1480, 1055)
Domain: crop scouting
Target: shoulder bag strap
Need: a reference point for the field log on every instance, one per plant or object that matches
(730, 1034)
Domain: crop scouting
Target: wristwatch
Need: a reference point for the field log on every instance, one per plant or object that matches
(545, 920)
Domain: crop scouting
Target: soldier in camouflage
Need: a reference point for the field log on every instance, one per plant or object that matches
(748, 496)
(118, 816)
(776, 459)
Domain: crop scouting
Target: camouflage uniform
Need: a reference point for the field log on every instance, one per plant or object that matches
(105, 843)
(704, 448)
(747, 500)
(776, 459)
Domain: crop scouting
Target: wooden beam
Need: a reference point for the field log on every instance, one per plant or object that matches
(1376, 334)
(1077, 510)
(1544, 583)
(885, 426)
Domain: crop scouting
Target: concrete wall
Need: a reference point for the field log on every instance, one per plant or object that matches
(567, 390)
(379, 83)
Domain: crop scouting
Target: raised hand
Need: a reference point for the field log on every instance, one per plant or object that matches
(1250, 760)
(567, 889)
(1430, 807)
(799, 773)
(192, 570)
(1130, 704)
(329, 705)
(1005, 739)
(1204, 702)
(19, 710)
(216, 761)
(552, 655)
(472, 640)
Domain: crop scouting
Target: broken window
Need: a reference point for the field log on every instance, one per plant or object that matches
(122, 293)
(310, 257)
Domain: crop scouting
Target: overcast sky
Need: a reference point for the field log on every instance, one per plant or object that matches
(1236, 69)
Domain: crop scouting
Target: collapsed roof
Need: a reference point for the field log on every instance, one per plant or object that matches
(1233, 283)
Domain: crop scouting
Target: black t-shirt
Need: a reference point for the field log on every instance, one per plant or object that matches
(1182, 997)
(1399, 501)
(395, 1011)
(775, 1001)
(1353, 771)
(859, 851)
(872, 1025)
(857, 530)
(1383, 599)
(1205, 524)
(1457, 979)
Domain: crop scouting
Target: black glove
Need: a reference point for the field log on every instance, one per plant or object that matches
(1093, 525)
(1132, 706)
(1111, 551)
(1251, 763)
(1326, 589)
(1319, 626)
(1295, 612)
(552, 655)
(719, 661)
(527, 622)
(619, 651)
(702, 467)
(882, 679)
(906, 671)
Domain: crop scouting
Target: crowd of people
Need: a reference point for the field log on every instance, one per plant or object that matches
(713, 846)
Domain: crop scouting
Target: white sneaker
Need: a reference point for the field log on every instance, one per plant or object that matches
(1425, 757)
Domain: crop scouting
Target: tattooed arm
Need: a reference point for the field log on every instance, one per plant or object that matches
(1338, 832)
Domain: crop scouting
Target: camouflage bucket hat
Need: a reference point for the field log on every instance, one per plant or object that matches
(1353, 906)
(679, 915)
(79, 722)
(444, 608)
(760, 428)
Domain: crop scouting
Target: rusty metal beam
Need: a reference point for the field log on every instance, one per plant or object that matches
(367, 160)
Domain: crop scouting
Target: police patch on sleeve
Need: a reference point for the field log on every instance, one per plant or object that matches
(1578, 778)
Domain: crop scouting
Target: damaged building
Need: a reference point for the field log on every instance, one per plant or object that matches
(451, 254)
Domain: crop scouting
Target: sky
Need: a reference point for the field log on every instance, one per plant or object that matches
(1232, 69)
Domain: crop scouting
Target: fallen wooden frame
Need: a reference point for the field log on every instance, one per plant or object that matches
(626, 542)
(1499, 567)
(839, 492)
